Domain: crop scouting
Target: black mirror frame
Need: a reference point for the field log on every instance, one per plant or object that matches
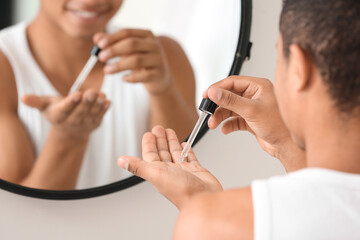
(6, 10)
(242, 53)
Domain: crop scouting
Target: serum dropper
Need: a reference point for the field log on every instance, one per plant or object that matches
(207, 107)
(86, 70)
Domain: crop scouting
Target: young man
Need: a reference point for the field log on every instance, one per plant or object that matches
(60, 148)
(310, 121)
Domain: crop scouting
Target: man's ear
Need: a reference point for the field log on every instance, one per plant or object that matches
(300, 66)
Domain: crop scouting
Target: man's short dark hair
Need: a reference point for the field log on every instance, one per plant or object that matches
(328, 30)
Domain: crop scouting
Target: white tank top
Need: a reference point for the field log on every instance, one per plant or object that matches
(122, 127)
(307, 204)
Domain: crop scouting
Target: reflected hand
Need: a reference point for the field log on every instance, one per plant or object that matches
(177, 181)
(249, 104)
(141, 52)
(74, 116)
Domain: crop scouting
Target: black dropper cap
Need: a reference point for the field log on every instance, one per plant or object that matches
(95, 51)
(208, 106)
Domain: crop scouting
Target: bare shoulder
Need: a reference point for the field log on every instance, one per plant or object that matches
(223, 215)
(180, 67)
(170, 45)
(176, 56)
(8, 92)
(14, 164)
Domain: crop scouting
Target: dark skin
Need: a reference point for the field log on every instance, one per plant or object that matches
(60, 39)
(281, 118)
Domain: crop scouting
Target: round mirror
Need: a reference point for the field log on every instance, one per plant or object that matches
(156, 59)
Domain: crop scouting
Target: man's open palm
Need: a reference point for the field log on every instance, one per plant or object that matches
(177, 181)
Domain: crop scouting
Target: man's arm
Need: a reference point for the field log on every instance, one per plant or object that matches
(176, 108)
(17, 153)
(222, 215)
(58, 164)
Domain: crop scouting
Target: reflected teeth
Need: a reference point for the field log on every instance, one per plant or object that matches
(86, 14)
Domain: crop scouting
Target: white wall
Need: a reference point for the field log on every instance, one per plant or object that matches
(25, 10)
(139, 212)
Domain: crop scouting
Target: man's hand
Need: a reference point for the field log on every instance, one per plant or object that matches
(74, 116)
(141, 52)
(249, 104)
(177, 181)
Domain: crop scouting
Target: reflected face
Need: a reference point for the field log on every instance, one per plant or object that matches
(285, 95)
(80, 18)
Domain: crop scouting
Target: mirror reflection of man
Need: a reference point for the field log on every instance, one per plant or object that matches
(39, 62)
(310, 121)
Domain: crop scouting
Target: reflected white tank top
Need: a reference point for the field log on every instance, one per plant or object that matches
(307, 204)
(122, 127)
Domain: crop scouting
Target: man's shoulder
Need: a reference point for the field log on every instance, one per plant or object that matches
(222, 215)
(8, 92)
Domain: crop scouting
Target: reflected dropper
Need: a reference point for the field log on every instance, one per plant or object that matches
(86, 70)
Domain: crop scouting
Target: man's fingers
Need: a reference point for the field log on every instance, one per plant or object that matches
(235, 124)
(142, 75)
(37, 102)
(162, 143)
(232, 101)
(99, 117)
(174, 145)
(140, 168)
(239, 84)
(83, 108)
(110, 39)
(98, 36)
(128, 46)
(98, 105)
(135, 61)
(55, 108)
(149, 148)
(219, 116)
(64, 107)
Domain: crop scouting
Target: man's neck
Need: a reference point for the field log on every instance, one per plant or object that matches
(60, 56)
(45, 35)
(334, 143)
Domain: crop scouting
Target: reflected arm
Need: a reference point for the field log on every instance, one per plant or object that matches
(176, 107)
(58, 164)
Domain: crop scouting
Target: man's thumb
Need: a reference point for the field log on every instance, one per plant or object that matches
(36, 102)
(138, 167)
(229, 100)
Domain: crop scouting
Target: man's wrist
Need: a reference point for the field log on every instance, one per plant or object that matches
(168, 88)
(68, 138)
(291, 156)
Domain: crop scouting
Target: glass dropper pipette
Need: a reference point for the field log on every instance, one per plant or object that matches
(86, 70)
(207, 107)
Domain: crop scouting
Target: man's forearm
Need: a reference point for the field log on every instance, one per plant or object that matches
(58, 165)
(172, 111)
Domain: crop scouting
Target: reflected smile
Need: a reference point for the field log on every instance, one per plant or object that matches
(86, 14)
(89, 15)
